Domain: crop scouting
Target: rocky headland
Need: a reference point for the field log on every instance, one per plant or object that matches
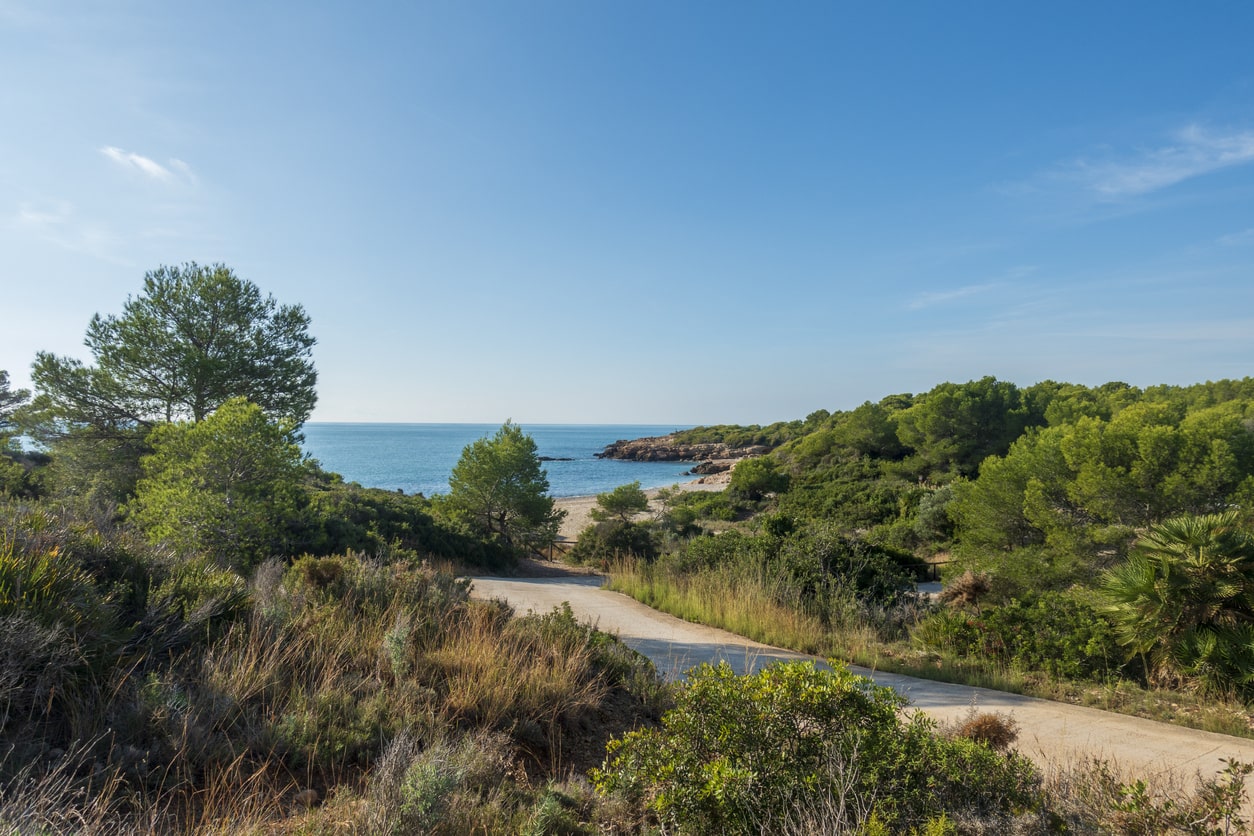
(667, 448)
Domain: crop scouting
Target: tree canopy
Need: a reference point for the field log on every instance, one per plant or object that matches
(10, 399)
(622, 503)
(221, 487)
(499, 490)
(192, 340)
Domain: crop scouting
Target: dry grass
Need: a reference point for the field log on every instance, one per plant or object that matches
(996, 729)
(298, 699)
(745, 603)
(493, 674)
(751, 604)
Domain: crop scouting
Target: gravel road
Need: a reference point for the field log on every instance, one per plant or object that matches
(1051, 733)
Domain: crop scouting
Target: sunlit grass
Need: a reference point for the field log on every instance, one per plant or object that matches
(748, 603)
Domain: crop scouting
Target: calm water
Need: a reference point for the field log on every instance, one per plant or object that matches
(418, 458)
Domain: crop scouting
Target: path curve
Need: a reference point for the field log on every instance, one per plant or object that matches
(1051, 733)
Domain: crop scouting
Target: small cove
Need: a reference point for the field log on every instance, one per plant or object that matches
(418, 458)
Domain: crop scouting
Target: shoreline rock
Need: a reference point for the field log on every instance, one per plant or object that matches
(666, 448)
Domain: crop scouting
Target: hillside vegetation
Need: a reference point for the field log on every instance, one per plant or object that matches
(203, 631)
(1095, 541)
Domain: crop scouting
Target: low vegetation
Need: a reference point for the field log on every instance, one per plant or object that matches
(201, 631)
(178, 695)
(1094, 542)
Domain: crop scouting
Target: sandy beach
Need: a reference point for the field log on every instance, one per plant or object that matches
(579, 508)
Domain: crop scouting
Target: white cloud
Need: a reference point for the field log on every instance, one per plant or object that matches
(931, 298)
(928, 299)
(58, 223)
(1237, 239)
(43, 217)
(1194, 152)
(183, 169)
(149, 167)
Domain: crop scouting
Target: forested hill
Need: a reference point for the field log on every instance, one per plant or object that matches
(990, 468)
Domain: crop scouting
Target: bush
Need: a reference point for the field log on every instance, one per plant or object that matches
(827, 563)
(340, 517)
(1053, 634)
(705, 505)
(743, 754)
(995, 730)
(613, 539)
(22, 474)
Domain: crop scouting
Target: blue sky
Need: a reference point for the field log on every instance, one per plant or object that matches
(646, 211)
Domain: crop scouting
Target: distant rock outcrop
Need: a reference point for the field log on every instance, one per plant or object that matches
(666, 448)
(711, 467)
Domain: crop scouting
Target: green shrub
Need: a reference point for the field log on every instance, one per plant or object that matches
(554, 814)
(705, 505)
(439, 786)
(1053, 633)
(740, 754)
(614, 539)
(339, 517)
(22, 475)
(50, 587)
(370, 587)
(200, 590)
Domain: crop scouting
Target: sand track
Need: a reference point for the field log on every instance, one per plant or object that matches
(1050, 732)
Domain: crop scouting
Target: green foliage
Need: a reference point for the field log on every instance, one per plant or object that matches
(10, 399)
(499, 490)
(194, 339)
(1081, 488)
(752, 479)
(955, 426)
(614, 539)
(337, 517)
(932, 521)
(95, 471)
(23, 475)
(224, 487)
(50, 587)
(1185, 601)
(734, 435)
(853, 493)
(202, 594)
(701, 505)
(868, 431)
(623, 503)
(1053, 633)
(67, 598)
(553, 816)
(826, 564)
(738, 754)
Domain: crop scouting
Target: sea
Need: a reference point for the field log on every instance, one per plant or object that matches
(419, 458)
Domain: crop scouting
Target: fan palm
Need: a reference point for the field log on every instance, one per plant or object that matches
(1184, 601)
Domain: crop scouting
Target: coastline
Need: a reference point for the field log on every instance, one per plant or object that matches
(579, 508)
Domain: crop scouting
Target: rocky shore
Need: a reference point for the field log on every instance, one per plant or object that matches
(666, 448)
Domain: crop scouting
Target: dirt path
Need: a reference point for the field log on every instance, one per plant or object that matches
(1050, 732)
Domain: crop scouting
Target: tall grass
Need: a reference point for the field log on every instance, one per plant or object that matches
(751, 601)
(747, 599)
(141, 693)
